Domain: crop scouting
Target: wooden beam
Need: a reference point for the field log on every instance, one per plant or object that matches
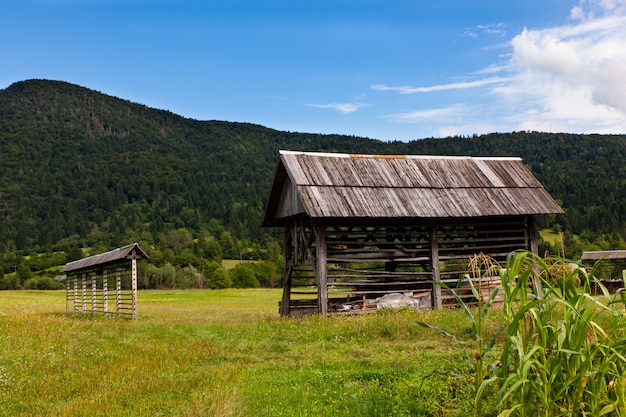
(93, 292)
(288, 265)
(434, 262)
(321, 269)
(285, 305)
(532, 235)
(105, 292)
(67, 294)
(75, 293)
(118, 291)
(134, 286)
(84, 289)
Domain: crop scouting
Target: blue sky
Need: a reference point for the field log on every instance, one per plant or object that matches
(383, 69)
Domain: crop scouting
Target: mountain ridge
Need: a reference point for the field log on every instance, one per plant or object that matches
(83, 166)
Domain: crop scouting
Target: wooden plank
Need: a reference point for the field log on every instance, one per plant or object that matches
(434, 261)
(322, 280)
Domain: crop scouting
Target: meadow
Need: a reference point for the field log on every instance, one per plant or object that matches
(555, 345)
(225, 353)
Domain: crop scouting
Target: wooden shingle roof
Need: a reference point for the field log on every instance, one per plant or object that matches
(107, 258)
(603, 254)
(322, 185)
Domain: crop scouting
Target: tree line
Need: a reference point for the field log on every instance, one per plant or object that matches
(86, 171)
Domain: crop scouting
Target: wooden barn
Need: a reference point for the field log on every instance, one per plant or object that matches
(362, 229)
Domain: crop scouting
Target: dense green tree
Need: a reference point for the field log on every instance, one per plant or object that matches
(23, 274)
(219, 278)
(243, 276)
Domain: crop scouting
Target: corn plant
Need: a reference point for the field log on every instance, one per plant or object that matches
(556, 359)
(556, 356)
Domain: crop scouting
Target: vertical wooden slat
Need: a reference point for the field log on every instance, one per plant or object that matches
(532, 233)
(84, 288)
(105, 292)
(285, 305)
(67, 294)
(534, 248)
(288, 262)
(134, 285)
(75, 292)
(434, 262)
(93, 292)
(321, 269)
(118, 291)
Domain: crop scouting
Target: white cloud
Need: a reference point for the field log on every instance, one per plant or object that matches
(572, 78)
(340, 107)
(442, 87)
(444, 114)
(490, 29)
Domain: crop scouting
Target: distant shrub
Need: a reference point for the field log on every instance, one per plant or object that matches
(219, 279)
(43, 283)
(243, 276)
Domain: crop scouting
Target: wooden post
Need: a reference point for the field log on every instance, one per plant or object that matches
(134, 285)
(67, 294)
(434, 262)
(84, 288)
(288, 263)
(532, 235)
(285, 303)
(534, 248)
(75, 293)
(320, 269)
(93, 292)
(105, 292)
(118, 291)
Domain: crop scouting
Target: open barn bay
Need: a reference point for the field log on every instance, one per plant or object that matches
(224, 353)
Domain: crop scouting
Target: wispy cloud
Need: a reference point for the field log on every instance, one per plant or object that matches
(340, 107)
(456, 111)
(490, 29)
(442, 87)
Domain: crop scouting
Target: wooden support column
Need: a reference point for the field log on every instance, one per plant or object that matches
(434, 262)
(118, 291)
(532, 235)
(75, 293)
(84, 288)
(134, 285)
(105, 292)
(288, 252)
(285, 304)
(93, 292)
(321, 269)
(67, 294)
(534, 248)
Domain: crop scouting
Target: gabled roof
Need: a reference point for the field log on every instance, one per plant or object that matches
(339, 186)
(604, 254)
(126, 252)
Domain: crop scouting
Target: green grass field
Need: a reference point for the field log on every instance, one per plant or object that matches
(224, 353)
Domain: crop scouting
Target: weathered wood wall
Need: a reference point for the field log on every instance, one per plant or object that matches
(331, 268)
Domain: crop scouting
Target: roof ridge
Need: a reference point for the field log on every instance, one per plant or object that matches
(399, 156)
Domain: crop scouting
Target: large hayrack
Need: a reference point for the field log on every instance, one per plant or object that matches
(360, 227)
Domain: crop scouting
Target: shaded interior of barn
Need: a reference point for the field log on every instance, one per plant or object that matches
(366, 263)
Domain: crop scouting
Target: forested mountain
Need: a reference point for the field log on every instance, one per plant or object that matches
(81, 168)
